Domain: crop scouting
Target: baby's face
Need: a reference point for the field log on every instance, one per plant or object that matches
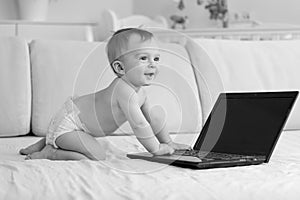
(140, 61)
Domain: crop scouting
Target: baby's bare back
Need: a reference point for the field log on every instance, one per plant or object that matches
(100, 111)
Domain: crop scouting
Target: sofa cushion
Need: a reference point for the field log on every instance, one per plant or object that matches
(65, 68)
(240, 66)
(15, 87)
(175, 89)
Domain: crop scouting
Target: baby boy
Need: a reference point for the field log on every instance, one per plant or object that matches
(134, 57)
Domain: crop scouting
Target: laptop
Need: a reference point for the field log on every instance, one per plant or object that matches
(241, 129)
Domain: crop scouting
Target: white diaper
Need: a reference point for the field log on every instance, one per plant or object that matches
(64, 121)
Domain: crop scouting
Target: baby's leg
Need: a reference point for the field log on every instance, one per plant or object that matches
(83, 143)
(38, 146)
(49, 152)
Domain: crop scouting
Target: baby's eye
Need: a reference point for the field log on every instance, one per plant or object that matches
(156, 59)
(143, 58)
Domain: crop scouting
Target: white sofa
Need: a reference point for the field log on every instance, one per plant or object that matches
(241, 66)
(37, 77)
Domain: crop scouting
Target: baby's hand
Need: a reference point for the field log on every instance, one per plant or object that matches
(178, 146)
(164, 149)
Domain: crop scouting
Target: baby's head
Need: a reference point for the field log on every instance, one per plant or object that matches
(125, 41)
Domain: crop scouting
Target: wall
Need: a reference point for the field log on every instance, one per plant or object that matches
(72, 10)
(267, 11)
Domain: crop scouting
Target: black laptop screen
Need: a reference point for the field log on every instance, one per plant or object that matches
(248, 126)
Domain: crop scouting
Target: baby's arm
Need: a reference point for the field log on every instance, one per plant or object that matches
(130, 106)
(157, 118)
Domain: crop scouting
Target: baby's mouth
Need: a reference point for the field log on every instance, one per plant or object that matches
(149, 76)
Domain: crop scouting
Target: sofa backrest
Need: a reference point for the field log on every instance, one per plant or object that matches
(65, 68)
(35, 83)
(15, 87)
(226, 65)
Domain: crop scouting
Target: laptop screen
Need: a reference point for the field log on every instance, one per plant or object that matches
(247, 124)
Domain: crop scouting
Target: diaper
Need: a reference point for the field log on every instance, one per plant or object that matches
(64, 121)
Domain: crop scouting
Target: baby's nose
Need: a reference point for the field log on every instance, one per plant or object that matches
(152, 64)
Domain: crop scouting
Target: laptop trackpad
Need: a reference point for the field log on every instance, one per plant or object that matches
(182, 158)
(172, 157)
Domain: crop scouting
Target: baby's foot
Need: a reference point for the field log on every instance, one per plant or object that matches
(38, 146)
(46, 153)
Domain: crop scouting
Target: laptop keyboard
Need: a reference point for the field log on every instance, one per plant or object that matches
(210, 155)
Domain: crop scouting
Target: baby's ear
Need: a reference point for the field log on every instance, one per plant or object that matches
(118, 67)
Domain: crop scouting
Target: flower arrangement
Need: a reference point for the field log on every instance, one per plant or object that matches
(217, 8)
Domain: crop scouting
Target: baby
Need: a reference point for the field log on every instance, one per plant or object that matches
(134, 57)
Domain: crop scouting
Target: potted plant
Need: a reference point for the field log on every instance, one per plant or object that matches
(33, 10)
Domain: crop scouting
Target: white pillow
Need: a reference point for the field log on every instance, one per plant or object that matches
(15, 87)
(240, 66)
(64, 68)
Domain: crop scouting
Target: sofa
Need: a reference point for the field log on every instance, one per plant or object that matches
(37, 77)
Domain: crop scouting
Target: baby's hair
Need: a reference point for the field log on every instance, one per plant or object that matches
(119, 41)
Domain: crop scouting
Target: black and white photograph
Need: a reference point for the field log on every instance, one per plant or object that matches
(149, 99)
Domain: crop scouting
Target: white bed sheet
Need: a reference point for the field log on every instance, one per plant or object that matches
(121, 178)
